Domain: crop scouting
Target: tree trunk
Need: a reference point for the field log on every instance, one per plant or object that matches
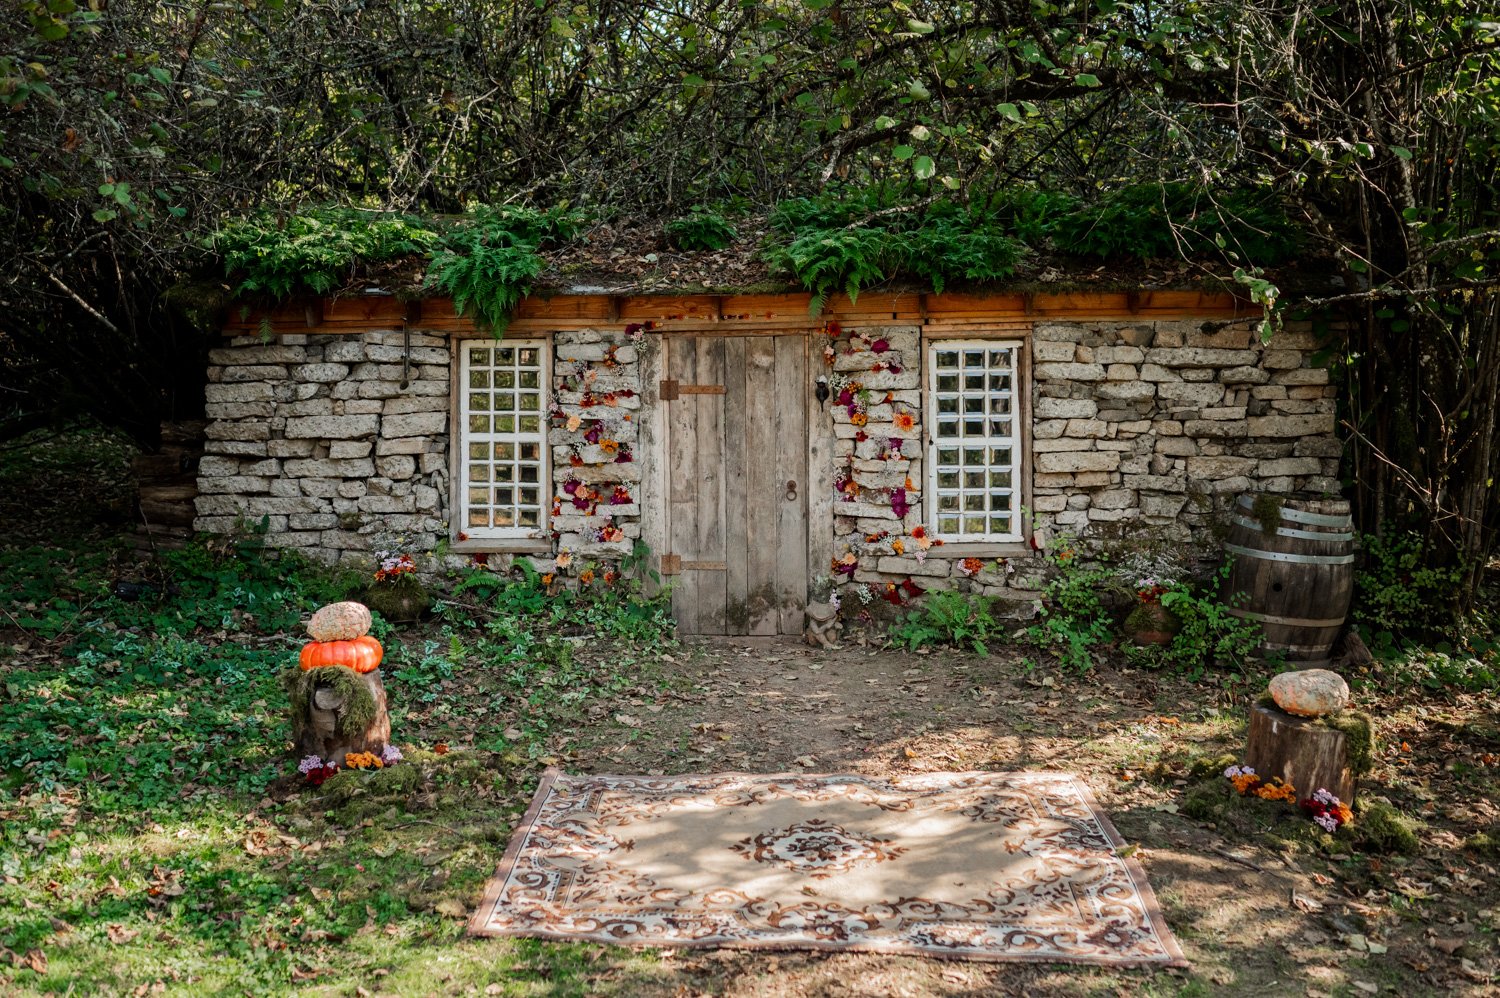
(1307, 755)
(319, 729)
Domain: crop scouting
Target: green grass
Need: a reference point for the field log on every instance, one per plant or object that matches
(155, 833)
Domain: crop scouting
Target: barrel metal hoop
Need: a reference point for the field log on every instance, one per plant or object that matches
(1310, 535)
(1270, 618)
(1298, 516)
(1295, 559)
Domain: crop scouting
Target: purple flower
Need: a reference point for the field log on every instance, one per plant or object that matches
(571, 486)
(895, 445)
(309, 764)
(879, 346)
(846, 397)
(390, 755)
(899, 505)
(592, 434)
(1328, 822)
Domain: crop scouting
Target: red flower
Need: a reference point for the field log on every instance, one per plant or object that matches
(879, 346)
(911, 588)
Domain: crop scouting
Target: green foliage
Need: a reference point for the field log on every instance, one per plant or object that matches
(947, 618)
(359, 702)
(315, 250)
(1443, 669)
(1072, 621)
(701, 229)
(1210, 636)
(1170, 220)
(1398, 596)
(850, 242)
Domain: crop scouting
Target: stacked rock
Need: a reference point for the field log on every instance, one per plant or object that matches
(1310, 692)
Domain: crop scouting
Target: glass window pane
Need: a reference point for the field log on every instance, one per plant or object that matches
(527, 358)
(504, 451)
(479, 356)
(479, 378)
(505, 379)
(479, 424)
(531, 424)
(505, 357)
(505, 402)
(505, 472)
(479, 472)
(479, 402)
(531, 518)
(479, 517)
(530, 379)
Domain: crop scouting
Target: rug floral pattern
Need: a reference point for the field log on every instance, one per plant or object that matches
(980, 866)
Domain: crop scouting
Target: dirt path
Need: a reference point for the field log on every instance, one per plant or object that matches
(1252, 921)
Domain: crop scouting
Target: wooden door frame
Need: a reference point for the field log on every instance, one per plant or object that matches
(817, 500)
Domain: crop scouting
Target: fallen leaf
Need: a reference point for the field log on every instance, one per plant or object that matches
(1449, 946)
(1368, 987)
(118, 934)
(1304, 903)
(34, 960)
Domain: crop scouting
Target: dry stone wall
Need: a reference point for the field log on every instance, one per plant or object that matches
(1145, 427)
(332, 441)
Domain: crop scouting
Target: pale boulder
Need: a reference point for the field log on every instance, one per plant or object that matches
(1310, 692)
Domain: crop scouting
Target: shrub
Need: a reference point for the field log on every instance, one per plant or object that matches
(1398, 595)
(701, 229)
(1072, 619)
(947, 619)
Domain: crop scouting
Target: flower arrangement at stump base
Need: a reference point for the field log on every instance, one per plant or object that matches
(395, 591)
(1150, 623)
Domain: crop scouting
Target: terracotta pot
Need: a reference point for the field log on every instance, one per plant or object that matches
(1152, 624)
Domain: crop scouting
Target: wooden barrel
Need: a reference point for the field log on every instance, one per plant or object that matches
(1295, 579)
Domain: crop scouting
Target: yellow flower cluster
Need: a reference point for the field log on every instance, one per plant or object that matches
(1277, 790)
(362, 760)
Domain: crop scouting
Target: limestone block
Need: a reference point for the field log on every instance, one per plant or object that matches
(396, 466)
(1290, 426)
(263, 505)
(1303, 376)
(1223, 412)
(331, 427)
(1114, 499)
(394, 354)
(403, 445)
(401, 405)
(1136, 336)
(1127, 391)
(1319, 447)
(1308, 392)
(1214, 429)
(1070, 372)
(238, 484)
(416, 424)
(253, 372)
(1133, 426)
(1169, 335)
(1157, 373)
(1177, 446)
(1056, 408)
(252, 391)
(1156, 483)
(1064, 332)
(929, 568)
(1188, 394)
(267, 467)
(1087, 428)
(319, 372)
(240, 448)
(1119, 355)
(1122, 372)
(1048, 429)
(1073, 462)
(386, 504)
(1291, 466)
(1051, 351)
(1162, 506)
(1244, 375)
(344, 351)
(863, 509)
(265, 354)
(328, 468)
(237, 410)
(1062, 444)
(358, 407)
(1199, 357)
(1232, 337)
(311, 407)
(1043, 480)
(1281, 359)
(1167, 427)
(1049, 503)
(1219, 467)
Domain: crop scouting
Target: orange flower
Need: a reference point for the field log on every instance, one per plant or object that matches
(609, 446)
(898, 547)
(905, 421)
(564, 559)
(587, 578)
(441, 748)
(859, 419)
(547, 579)
(574, 422)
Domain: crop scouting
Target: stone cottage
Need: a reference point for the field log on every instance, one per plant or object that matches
(908, 441)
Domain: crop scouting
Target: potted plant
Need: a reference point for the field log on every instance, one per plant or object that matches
(1150, 623)
(395, 591)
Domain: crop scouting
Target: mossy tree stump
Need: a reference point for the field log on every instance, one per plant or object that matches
(1306, 752)
(336, 710)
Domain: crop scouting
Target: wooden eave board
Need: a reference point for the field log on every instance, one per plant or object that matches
(735, 313)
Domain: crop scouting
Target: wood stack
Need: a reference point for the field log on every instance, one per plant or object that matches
(168, 483)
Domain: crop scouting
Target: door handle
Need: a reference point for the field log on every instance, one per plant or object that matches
(791, 490)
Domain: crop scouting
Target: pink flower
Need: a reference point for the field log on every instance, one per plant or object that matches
(571, 486)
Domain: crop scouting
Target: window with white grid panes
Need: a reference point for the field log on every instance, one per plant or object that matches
(503, 438)
(974, 440)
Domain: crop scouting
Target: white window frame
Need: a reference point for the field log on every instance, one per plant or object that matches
(930, 497)
(466, 437)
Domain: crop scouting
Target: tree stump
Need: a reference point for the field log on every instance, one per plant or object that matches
(334, 714)
(1302, 752)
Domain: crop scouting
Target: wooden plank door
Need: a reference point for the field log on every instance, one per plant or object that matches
(736, 440)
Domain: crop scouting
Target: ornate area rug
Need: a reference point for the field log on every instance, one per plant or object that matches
(975, 866)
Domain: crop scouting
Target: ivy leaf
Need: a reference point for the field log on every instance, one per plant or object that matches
(923, 167)
(1087, 80)
(1008, 110)
(903, 152)
(1401, 152)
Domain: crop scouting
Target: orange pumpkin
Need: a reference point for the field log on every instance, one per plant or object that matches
(363, 654)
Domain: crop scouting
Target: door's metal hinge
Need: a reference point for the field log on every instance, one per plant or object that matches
(670, 391)
(671, 564)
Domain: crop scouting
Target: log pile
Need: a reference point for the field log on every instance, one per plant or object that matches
(167, 481)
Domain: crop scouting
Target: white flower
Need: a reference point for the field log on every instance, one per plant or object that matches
(1328, 822)
(390, 754)
(309, 764)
